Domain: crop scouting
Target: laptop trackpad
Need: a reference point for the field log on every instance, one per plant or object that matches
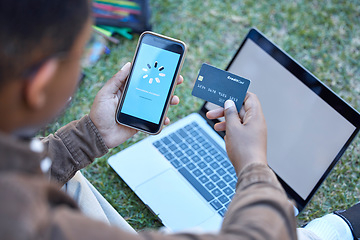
(180, 207)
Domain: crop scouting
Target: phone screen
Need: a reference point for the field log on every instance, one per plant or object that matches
(157, 63)
(150, 82)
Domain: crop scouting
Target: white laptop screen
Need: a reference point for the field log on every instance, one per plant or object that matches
(305, 133)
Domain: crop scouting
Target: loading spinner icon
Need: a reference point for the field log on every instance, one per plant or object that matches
(154, 72)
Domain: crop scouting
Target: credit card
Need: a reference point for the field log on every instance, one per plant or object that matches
(216, 86)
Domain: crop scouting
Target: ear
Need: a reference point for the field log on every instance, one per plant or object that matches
(35, 90)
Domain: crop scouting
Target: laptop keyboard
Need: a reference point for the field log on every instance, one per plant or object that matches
(202, 162)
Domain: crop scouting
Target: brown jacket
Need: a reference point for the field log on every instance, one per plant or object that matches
(33, 208)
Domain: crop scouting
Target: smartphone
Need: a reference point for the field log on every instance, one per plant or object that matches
(151, 83)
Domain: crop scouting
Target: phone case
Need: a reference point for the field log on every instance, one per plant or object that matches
(173, 87)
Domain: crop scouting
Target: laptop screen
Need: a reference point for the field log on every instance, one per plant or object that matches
(309, 126)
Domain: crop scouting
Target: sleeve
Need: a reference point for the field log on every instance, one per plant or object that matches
(73, 147)
(259, 210)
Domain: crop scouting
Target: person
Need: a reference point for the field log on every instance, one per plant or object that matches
(39, 67)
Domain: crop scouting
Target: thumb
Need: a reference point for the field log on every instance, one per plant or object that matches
(231, 114)
(118, 80)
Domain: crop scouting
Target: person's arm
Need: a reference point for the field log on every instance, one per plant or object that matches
(77, 144)
(73, 147)
(259, 209)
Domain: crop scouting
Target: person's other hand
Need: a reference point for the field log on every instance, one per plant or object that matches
(246, 133)
(103, 110)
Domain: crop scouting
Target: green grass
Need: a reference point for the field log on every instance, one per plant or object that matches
(323, 35)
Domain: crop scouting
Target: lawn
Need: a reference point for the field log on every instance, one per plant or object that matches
(324, 36)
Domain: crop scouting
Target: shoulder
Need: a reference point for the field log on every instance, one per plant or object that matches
(27, 205)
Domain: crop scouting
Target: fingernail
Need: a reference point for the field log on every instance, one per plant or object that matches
(125, 65)
(229, 103)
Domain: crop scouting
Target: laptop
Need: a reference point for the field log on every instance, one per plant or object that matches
(183, 174)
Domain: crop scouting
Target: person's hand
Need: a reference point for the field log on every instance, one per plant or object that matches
(246, 134)
(103, 110)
